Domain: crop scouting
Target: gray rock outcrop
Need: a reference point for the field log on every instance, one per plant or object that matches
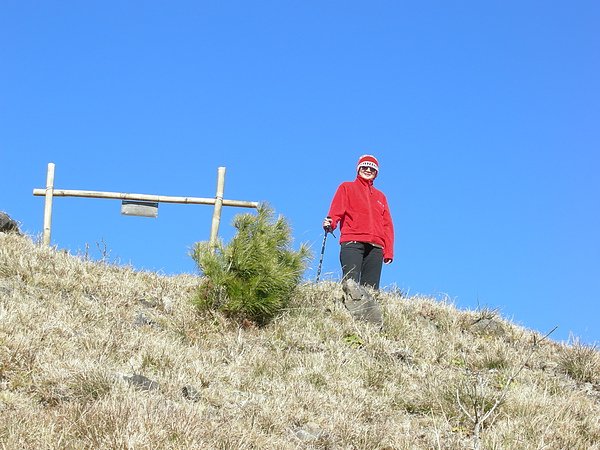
(8, 225)
(361, 304)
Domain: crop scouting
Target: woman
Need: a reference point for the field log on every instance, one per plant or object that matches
(366, 228)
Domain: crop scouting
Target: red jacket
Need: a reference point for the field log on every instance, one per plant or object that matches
(363, 214)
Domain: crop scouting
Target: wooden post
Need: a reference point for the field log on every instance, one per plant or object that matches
(214, 229)
(48, 204)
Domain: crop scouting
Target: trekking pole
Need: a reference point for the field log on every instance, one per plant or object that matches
(327, 230)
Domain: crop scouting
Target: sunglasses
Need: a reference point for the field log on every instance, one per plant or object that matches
(367, 169)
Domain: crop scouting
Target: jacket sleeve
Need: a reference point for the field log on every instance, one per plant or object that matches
(337, 210)
(388, 227)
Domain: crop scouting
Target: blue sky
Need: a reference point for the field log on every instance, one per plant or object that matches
(484, 117)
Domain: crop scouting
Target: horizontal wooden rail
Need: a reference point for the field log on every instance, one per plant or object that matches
(145, 197)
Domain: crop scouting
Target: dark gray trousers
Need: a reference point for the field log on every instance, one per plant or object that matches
(362, 262)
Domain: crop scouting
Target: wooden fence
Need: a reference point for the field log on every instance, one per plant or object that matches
(144, 201)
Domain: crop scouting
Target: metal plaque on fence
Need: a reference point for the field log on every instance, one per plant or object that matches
(138, 208)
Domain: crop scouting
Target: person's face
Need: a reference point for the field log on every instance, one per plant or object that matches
(367, 173)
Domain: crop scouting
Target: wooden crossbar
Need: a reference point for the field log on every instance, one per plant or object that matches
(144, 197)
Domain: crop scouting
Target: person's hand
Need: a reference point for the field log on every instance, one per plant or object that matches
(327, 223)
(387, 260)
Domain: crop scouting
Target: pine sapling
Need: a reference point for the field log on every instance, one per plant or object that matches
(253, 276)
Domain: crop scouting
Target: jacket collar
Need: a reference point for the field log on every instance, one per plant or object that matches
(364, 182)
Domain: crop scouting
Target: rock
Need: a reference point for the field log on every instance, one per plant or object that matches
(142, 320)
(141, 382)
(404, 355)
(360, 303)
(5, 288)
(309, 432)
(190, 393)
(488, 326)
(7, 224)
(147, 304)
(168, 305)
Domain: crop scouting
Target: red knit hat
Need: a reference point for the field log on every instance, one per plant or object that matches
(368, 161)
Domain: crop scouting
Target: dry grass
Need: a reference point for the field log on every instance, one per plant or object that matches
(72, 331)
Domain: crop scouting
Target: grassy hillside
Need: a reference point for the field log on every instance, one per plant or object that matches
(94, 355)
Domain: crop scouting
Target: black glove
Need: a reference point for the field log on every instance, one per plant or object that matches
(328, 228)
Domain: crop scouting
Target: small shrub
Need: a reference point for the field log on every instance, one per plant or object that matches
(353, 340)
(376, 376)
(581, 362)
(254, 275)
(475, 395)
(90, 385)
(490, 355)
(317, 380)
